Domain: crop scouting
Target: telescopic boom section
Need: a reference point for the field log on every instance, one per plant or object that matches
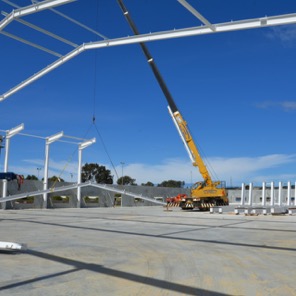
(180, 123)
(187, 139)
(150, 60)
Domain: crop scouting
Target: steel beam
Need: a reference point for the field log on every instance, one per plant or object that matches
(75, 22)
(41, 30)
(31, 9)
(31, 44)
(197, 14)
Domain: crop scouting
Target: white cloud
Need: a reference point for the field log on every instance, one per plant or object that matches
(287, 34)
(171, 169)
(232, 170)
(288, 105)
(246, 169)
(265, 104)
(284, 105)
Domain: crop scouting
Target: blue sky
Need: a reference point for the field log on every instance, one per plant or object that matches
(236, 91)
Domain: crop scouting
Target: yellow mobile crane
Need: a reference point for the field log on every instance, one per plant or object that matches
(203, 194)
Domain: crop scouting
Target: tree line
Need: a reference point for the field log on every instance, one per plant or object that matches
(100, 174)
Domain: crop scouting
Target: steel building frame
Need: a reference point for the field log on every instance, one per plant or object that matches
(207, 28)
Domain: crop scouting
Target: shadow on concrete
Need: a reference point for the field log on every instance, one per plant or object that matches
(205, 226)
(78, 265)
(166, 236)
(41, 278)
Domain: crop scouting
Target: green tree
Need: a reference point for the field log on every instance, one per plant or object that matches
(172, 183)
(31, 177)
(148, 184)
(126, 180)
(55, 179)
(91, 171)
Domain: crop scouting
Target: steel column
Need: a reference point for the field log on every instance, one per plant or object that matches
(263, 194)
(10, 133)
(289, 193)
(280, 194)
(81, 147)
(243, 194)
(48, 141)
(272, 194)
(250, 194)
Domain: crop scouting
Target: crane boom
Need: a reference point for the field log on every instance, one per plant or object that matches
(203, 194)
(178, 120)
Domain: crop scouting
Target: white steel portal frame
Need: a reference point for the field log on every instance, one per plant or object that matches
(207, 28)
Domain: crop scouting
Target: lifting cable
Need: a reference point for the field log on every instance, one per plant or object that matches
(94, 99)
(105, 148)
(63, 170)
(211, 170)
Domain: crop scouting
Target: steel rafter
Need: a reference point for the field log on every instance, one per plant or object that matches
(74, 22)
(30, 43)
(197, 14)
(43, 31)
(31, 9)
(81, 185)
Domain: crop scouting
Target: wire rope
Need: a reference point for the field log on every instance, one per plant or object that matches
(95, 97)
(93, 118)
(211, 170)
(105, 149)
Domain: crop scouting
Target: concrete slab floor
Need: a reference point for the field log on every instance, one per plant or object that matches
(147, 251)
